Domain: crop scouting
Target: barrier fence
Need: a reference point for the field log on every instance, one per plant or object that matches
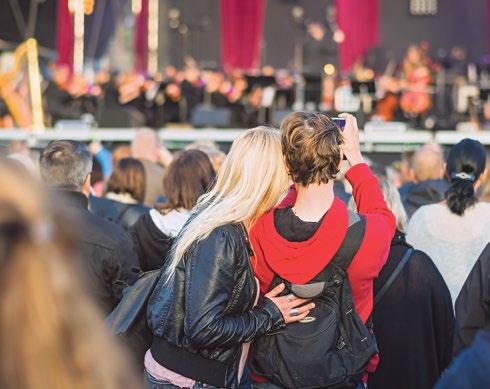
(371, 141)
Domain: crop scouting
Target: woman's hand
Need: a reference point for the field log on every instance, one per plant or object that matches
(289, 305)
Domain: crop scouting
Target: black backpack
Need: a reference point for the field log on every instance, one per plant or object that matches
(331, 347)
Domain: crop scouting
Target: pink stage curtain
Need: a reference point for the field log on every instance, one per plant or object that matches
(64, 35)
(241, 32)
(488, 26)
(141, 39)
(358, 19)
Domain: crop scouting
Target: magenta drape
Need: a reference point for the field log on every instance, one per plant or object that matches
(141, 39)
(359, 20)
(241, 33)
(488, 26)
(64, 35)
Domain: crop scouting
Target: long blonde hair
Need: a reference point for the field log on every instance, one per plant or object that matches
(51, 334)
(250, 182)
(393, 201)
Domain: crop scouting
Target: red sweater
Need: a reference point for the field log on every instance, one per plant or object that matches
(299, 262)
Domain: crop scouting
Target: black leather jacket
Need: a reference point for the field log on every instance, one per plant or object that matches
(107, 252)
(202, 316)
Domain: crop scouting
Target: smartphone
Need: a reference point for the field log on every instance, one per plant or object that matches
(339, 122)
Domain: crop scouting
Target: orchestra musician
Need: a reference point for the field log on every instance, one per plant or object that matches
(415, 99)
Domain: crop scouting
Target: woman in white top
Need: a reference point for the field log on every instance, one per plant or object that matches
(453, 233)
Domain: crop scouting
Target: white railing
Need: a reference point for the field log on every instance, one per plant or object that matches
(371, 141)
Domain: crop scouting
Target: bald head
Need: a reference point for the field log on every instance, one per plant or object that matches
(428, 163)
(145, 145)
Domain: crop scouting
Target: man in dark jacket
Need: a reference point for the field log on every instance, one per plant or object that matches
(473, 303)
(108, 256)
(472, 336)
(427, 173)
(413, 322)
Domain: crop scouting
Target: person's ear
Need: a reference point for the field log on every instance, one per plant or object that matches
(86, 185)
(339, 167)
(288, 170)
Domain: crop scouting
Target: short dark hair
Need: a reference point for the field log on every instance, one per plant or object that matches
(311, 146)
(188, 177)
(65, 164)
(128, 177)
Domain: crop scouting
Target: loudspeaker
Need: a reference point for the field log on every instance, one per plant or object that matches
(208, 116)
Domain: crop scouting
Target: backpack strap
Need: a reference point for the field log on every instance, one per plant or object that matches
(394, 275)
(342, 258)
(352, 241)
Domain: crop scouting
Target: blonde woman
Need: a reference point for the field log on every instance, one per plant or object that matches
(204, 311)
(51, 334)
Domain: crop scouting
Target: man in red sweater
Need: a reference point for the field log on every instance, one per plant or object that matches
(299, 238)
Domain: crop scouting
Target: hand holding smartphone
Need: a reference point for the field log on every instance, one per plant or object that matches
(351, 147)
(340, 123)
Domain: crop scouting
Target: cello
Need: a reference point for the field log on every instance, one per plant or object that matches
(416, 99)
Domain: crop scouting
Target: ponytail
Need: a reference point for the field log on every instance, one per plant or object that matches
(460, 195)
(464, 166)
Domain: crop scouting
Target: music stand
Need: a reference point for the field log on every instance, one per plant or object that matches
(364, 87)
(259, 81)
(313, 87)
(484, 94)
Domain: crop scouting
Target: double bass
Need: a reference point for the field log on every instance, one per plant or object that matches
(388, 87)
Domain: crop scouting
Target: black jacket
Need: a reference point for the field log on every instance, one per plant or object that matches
(473, 303)
(108, 255)
(424, 193)
(201, 317)
(123, 214)
(152, 245)
(413, 322)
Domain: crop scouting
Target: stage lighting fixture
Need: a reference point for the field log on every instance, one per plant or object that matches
(183, 29)
(174, 13)
(174, 24)
(329, 69)
(423, 7)
(297, 12)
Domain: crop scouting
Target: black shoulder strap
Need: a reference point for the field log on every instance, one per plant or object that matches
(394, 275)
(351, 243)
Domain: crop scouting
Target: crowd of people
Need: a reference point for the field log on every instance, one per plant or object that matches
(427, 92)
(291, 262)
